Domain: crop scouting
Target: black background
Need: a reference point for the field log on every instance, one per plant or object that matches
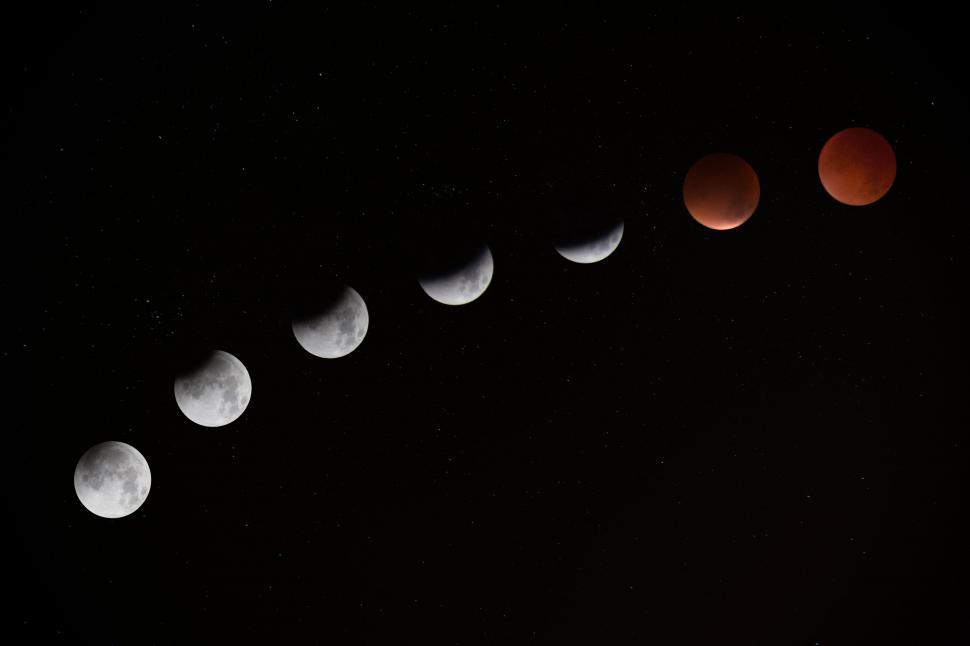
(740, 437)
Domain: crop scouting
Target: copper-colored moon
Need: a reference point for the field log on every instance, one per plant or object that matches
(721, 191)
(857, 166)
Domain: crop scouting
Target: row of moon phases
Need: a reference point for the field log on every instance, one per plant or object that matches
(856, 166)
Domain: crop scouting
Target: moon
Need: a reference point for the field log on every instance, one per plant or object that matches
(112, 479)
(593, 249)
(721, 191)
(215, 392)
(461, 285)
(337, 329)
(857, 166)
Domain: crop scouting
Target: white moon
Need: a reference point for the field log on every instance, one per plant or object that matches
(338, 330)
(463, 285)
(112, 479)
(595, 249)
(217, 392)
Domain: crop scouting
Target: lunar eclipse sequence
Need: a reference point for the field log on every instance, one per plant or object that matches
(721, 191)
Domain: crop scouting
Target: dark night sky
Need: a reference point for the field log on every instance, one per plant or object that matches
(740, 437)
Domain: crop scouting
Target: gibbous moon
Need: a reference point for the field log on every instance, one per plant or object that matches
(337, 329)
(857, 166)
(112, 479)
(215, 392)
(721, 191)
(594, 249)
(461, 285)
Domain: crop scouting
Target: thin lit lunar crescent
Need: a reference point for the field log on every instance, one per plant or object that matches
(594, 249)
(112, 479)
(337, 330)
(216, 392)
(464, 284)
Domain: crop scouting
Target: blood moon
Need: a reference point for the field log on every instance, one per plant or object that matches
(721, 191)
(857, 166)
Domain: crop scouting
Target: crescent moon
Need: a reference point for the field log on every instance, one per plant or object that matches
(595, 249)
(337, 330)
(463, 285)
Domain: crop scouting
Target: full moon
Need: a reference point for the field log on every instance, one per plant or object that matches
(593, 249)
(112, 479)
(461, 285)
(215, 392)
(721, 191)
(337, 329)
(857, 166)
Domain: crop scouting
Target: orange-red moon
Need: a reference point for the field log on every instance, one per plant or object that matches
(721, 191)
(857, 166)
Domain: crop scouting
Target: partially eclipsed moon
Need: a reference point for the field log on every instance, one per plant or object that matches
(594, 249)
(217, 392)
(337, 330)
(721, 191)
(462, 285)
(857, 166)
(112, 479)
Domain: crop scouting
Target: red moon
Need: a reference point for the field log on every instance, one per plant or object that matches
(857, 166)
(721, 191)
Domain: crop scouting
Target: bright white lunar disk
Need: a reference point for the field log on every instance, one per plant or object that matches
(215, 392)
(112, 479)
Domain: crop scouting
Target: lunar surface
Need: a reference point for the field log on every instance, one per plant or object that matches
(337, 329)
(216, 392)
(721, 191)
(857, 166)
(594, 249)
(464, 284)
(112, 479)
